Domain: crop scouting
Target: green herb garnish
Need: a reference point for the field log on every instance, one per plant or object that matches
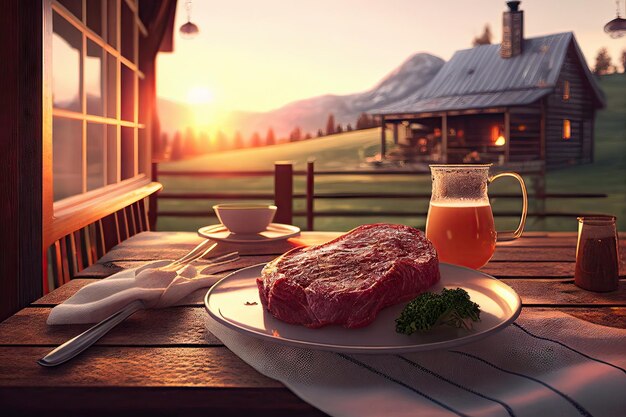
(451, 307)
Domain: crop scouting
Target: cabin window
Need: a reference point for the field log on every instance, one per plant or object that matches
(566, 90)
(567, 129)
(97, 139)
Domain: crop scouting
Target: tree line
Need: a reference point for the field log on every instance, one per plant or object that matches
(191, 143)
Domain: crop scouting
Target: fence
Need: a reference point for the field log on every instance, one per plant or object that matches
(284, 195)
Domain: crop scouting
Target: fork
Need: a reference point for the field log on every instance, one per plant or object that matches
(80, 343)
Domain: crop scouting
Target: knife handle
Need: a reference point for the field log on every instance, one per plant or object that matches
(78, 344)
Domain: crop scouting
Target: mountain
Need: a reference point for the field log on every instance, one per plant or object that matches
(311, 114)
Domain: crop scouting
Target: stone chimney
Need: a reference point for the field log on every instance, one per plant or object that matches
(512, 31)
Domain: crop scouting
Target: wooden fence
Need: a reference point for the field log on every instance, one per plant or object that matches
(284, 195)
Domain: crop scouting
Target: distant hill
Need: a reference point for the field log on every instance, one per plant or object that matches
(311, 114)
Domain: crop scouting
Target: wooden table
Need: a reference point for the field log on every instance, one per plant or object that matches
(165, 362)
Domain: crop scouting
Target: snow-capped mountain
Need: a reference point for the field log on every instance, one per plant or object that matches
(311, 114)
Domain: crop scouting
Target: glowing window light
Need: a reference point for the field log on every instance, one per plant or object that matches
(495, 133)
(500, 141)
(566, 91)
(567, 129)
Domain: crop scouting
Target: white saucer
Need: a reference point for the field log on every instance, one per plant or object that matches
(275, 231)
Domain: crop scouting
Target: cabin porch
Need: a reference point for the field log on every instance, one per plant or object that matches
(499, 136)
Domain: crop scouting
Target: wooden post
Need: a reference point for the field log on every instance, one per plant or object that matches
(395, 133)
(542, 132)
(283, 191)
(153, 202)
(310, 193)
(22, 160)
(383, 139)
(444, 138)
(507, 134)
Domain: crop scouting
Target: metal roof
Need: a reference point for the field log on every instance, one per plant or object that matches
(479, 77)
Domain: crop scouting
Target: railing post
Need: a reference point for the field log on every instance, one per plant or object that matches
(310, 193)
(383, 138)
(283, 191)
(153, 199)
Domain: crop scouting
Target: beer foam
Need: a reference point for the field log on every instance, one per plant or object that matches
(461, 203)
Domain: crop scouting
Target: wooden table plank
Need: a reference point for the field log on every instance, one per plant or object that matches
(170, 326)
(104, 269)
(122, 366)
(153, 401)
(183, 366)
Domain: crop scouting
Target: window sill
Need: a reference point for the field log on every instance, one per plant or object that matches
(77, 212)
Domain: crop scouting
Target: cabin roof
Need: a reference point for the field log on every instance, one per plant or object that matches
(480, 78)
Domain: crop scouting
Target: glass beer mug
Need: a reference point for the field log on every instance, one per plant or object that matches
(460, 222)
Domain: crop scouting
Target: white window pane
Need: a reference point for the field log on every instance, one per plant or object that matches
(67, 157)
(93, 79)
(67, 44)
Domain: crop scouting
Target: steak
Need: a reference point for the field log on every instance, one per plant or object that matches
(348, 280)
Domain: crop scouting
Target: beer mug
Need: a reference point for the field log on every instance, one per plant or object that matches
(460, 221)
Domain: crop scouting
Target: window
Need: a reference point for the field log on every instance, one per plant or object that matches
(98, 139)
(566, 90)
(567, 129)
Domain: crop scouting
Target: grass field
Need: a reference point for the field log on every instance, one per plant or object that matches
(606, 175)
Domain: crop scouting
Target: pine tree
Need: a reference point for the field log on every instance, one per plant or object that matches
(330, 124)
(295, 135)
(189, 144)
(339, 129)
(238, 140)
(307, 136)
(603, 62)
(221, 140)
(349, 128)
(204, 143)
(270, 139)
(320, 133)
(163, 145)
(363, 122)
(484, 39)
(177, 147)
(255, 140)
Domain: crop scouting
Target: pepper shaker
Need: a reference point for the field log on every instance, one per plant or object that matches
(597, 257)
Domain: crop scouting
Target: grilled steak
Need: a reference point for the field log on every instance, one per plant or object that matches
(348, 280)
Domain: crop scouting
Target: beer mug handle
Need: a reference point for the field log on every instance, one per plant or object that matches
(514, 234)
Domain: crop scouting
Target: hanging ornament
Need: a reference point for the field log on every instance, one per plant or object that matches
(189, 30)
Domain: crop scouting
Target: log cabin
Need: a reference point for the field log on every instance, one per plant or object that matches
(524, 100)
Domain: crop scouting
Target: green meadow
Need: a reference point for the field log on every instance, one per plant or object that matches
(607, 174)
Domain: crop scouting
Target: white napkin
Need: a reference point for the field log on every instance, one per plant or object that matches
(156, 289)
(548, 365)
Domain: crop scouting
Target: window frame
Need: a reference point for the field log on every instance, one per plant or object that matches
(57, 213)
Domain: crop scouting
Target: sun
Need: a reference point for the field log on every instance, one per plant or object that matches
(199, 95)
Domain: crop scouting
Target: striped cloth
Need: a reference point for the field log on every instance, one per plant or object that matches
(553, 365)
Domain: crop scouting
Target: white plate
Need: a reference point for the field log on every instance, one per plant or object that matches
(234, 302)
(275, 231)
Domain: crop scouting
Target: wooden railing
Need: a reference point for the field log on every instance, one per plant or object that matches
(284, 195)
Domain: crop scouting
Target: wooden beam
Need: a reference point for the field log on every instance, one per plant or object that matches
(395, 133)
(283, 191)
(383, 138)
(507, 134)
(444, 138)
(310, 194)
(542, 131)
(21, 154)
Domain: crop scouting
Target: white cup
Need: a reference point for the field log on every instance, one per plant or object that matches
(245, 218)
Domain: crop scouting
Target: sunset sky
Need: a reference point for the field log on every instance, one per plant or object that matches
(259, 55)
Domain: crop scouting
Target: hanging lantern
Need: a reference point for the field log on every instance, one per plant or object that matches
(189, 30)
(616, 28)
